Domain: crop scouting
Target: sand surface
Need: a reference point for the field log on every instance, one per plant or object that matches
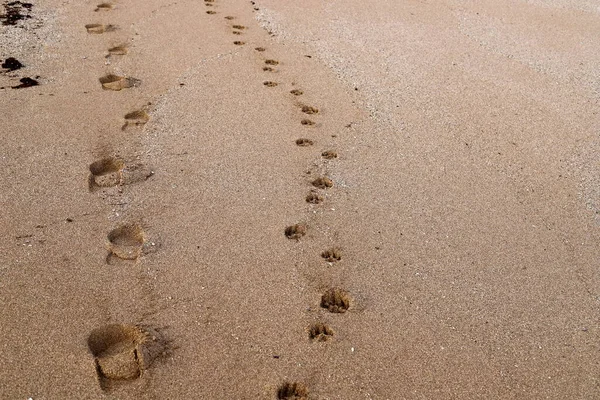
(146, 257)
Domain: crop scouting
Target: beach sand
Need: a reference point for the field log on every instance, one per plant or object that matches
(328, 200)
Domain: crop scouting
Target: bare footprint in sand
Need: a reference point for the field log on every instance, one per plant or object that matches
(296, 92)
(116, 82)
(271, 62)
(120, 50)
(211, 12)
(111, 172)
(239, 43)
(104, 7)
(126, 241)
(106, 172)
(135, 118)
(99, 28)
(270, 83)
(123, 353)
(292, 391)
(307, 122)
(336, 300)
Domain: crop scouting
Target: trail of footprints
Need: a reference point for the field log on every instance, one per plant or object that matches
(122, 352)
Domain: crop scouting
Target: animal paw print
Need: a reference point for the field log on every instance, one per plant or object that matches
(292, 391)
(314, 198)
(336, 300)
(303, 142)
(322, 183)
(332, 255)
(329, 154)
(320, 332)
(295, 231)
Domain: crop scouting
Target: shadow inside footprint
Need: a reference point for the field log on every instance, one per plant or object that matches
(116, 82)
